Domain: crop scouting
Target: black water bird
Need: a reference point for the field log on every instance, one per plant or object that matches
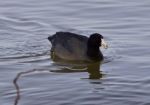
(74, 47)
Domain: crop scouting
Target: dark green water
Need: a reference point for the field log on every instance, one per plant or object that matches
(29, 77)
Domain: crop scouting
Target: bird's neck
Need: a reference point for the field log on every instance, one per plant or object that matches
(94, 52)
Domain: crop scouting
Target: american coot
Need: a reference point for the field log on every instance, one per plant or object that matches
(73, 47)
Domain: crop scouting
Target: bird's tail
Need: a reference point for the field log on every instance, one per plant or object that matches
(50, 38)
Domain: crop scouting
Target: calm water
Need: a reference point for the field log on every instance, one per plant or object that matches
(29, 77)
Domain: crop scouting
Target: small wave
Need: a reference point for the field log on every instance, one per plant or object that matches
(27, 55)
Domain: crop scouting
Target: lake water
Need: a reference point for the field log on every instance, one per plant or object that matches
(28, 76)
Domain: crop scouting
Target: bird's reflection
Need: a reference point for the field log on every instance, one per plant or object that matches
(94, 70)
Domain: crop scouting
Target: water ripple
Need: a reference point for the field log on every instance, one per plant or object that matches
(123, 77)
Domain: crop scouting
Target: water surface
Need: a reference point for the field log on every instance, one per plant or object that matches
(28, 76)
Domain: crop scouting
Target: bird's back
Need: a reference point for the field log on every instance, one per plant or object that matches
(69, 46)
